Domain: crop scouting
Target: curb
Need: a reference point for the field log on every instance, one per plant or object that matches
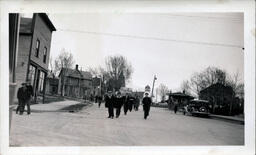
(233, 120)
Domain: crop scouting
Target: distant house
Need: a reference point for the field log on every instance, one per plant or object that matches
(51, 84)
(33, 51)
(220, 98)
(75, 83)
(179, 98)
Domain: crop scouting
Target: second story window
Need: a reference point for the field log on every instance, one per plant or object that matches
(37, 48)
(45, 54)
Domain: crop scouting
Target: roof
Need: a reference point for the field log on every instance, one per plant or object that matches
(47, 21)
(217, 85)
(26, 25)
(196, 100)
(76, 73)
(179, 94)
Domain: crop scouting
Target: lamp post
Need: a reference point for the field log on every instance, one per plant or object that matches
(152, 94)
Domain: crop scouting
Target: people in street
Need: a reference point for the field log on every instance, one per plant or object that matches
(126, 103)
(99, 100)
(21, 95)
(119, 100)
(131, 103)
(146, 105)
(30, 94)
(137, 103)
(175, 108)
(109, 104)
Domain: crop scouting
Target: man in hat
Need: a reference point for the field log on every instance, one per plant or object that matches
(21, 95)
(118, 103)
(126, 103)
(109, 104)
(146, 105)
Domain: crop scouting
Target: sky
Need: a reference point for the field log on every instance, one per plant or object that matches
(170, 46)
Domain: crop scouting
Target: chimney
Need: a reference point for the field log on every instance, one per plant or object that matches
(77, 67)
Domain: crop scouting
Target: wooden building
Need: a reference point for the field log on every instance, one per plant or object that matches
(75, 83)
(34, 51)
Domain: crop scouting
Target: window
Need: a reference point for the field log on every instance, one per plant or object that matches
(31, 74)
(45, 54)
(41, 82)
(37, 48)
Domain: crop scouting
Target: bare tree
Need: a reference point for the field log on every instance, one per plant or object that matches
(163, 90)
(117, 67)
(64, 60)
(185, 86)
(207, 77)
(235, 82)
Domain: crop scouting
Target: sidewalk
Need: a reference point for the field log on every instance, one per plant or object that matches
(228, 118)
(52, 107)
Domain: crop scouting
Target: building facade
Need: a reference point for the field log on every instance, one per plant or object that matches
(51, 84)
(179, 98)
(33, 51)
(75, 83)
(220, 97)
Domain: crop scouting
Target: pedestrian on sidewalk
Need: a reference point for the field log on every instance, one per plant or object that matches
(30, 94)
(99, 100)
(109, 104)
(126, 103)
(146, 105)
(21, 98)
(119, 100)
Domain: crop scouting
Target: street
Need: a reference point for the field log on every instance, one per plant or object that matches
(91, 127)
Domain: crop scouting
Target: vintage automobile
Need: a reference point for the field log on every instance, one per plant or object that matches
(197, 108)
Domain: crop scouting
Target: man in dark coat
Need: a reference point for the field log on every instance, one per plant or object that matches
(119, 100)
(126, 103)
(131, 103)
(21, 95)
(99, 100)
(30, 94)
(146, 105)
(109, 103)
(137, 103)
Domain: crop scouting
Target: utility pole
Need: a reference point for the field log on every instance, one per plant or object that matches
(152, 94)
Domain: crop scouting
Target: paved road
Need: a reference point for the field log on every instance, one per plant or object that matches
(91, 127)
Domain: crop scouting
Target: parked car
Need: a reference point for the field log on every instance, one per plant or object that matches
(197, 108)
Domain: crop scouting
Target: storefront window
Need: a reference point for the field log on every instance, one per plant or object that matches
(41, 82)
(31, 74)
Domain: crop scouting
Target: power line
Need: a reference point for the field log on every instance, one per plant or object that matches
(152, 38)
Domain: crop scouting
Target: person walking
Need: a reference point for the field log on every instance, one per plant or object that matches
(119, 100)
(21, 95)
(131, 103)
(109, 104)
(126, 103)
(99, 100)
(146, 105)
(175, 108)
(30, 94)
(137, 103)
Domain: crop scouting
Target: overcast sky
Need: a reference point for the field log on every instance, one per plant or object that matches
(170, 46)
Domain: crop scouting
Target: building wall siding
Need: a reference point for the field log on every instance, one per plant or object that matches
(43, 34)
(22, 60)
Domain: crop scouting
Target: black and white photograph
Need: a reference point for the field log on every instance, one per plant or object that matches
(127, 79)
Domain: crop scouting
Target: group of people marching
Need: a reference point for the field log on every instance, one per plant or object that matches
(24, 95)
(128, 102)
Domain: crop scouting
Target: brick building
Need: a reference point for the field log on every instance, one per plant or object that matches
(75, 83)
(34, 51)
